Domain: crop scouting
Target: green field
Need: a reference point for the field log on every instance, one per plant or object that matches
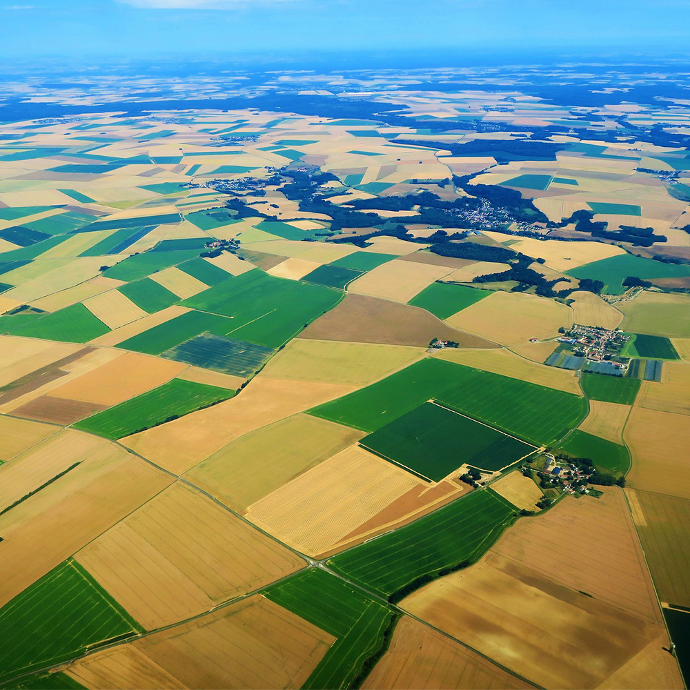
(332, 276)
(210, 220)
(148, 295)
(615, 389)
(534, 413)
(74, 324)
(359, 623)
(171, 333)
(363, 261)
(614, 270)
(118, 241)
(444, 299)
(44, 681)
(432, 442)
(615, 209)
(460, 532)
(57, 618)
(204, 271)
(678, 623)
(650, 347)
(609, 457)
(539, 182)
(266, 310)
(22, 236)
(222, 354)
(174, 399)
(142, 265)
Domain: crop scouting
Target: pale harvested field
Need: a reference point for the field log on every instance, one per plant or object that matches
(128, 375)
(521, 491)
(320, 507)
(548, 633)
(180, 555)
(18, 435)
(114, 309)
(420, 658)
(211, 378)
(21, 356)
(332, 361)
(672, 394)
(326, 253)
(44, 530)
(83, 291)
(392, 245)
(663, 523)
(507, 363)
(537, 352)
(262, 461)
(658, 313)
(178, 282)
(6, 304)
(121, 667)
(589, 545)
(132, 329)
(231, 263)
(179, 445)
(658, 444)
(606, 420)
(398, 281)
(590, 310)
(682, 346)
(362, 319)
(512, 318)
(252, 644)
(561, 256)
(293, 269)
(466, 274)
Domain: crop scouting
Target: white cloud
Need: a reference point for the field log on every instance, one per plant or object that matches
(193, 4)
(17, 7)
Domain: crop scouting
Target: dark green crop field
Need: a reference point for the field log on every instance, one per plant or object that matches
(615, 389)
(651, 347)
(266, 310)
(141, 265)
(432, 441)
(359, 623)
(226, 355)
(363, 261)
(149, 295)
(332, 276)
(459, 532)
(174, 399)
(74, 324)
(204, 271)
(444, 299)
(609, 457)
(57, 618)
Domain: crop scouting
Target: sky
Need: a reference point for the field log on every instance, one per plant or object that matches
(148, 28)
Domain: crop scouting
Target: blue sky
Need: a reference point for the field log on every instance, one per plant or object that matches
(73, 28)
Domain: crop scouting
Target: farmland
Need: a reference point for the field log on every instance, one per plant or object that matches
(612, 389)
(652, 347)
(607, 456)
(174, 399)
(657, 314)
(433, 441)
(444, 299)
(461, 532)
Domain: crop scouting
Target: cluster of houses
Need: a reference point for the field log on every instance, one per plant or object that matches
(596, 344)
(571, 478)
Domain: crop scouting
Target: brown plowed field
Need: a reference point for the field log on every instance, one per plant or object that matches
(420, 658)
(57, 410)
(181, 554)
(362, 319)
(589, 545)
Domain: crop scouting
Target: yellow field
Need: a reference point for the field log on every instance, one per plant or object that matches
(211, 378)
(512, 318)
(65, 298)
(132, 329)
(128, 375)
(231, 263)
(606, 420)
(657, 313)
(672, 394)
(254, 644)
(114, 309)
(658, 443)
(466, 274)
(392, 245)
(550, 634)
(293, 269)
(420, 658)
(323, 505)
(507, 363)
(340, 362)
(180, 555)
(76, 245)
(590, 310)
(262, 461)
(178, 282)
(18, 435)
(398, 281)
(21, 356)
(326, 253)
(179, 445)
(521, 491)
